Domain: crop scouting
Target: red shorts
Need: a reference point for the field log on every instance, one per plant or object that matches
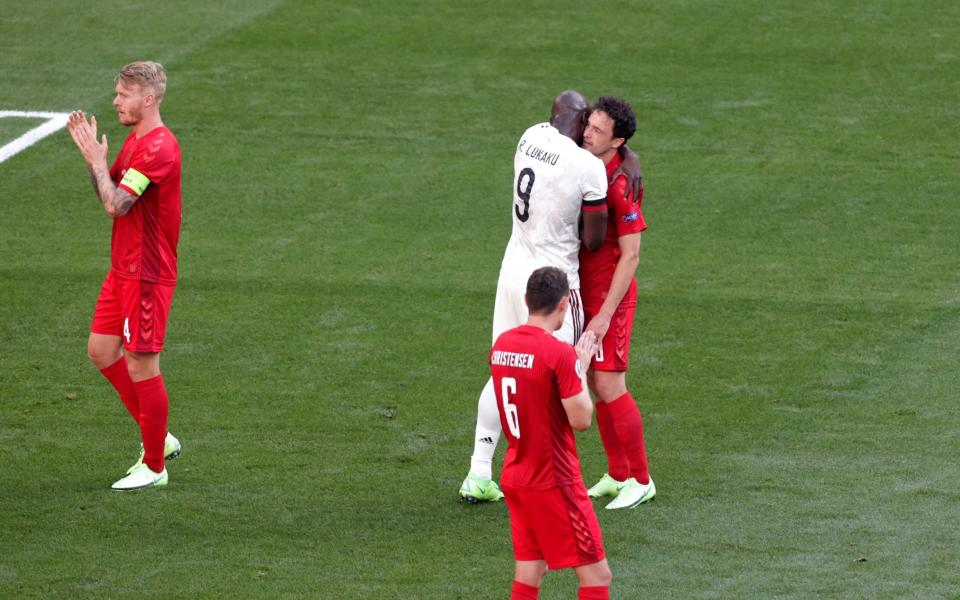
(556, 525)
(614, 351)
(135, 310)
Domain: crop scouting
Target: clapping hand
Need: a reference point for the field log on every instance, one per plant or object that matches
(84, 135)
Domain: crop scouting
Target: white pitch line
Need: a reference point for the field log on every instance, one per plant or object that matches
(55, 122)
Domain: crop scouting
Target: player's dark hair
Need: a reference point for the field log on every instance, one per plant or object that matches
(624, 121)
(546, 287)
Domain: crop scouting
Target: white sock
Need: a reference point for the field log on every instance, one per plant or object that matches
(487, 435)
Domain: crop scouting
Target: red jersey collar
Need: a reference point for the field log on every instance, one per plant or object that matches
(614, 163)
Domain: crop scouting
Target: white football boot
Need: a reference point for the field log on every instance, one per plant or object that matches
(141, 477)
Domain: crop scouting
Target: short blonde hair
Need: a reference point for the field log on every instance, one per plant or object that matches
(146, 74)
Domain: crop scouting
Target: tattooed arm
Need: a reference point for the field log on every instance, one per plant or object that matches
(116, 202)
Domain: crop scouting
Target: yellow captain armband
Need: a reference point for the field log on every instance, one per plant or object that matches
(135, 180)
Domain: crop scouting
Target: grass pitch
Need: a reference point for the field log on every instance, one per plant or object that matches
(346, 188)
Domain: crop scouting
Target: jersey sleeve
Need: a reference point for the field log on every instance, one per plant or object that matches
(593, 186)
(151, 163)
(627, 217)
(568, 370)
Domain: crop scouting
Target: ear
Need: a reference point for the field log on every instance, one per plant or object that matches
(617, 142)
(564, 305)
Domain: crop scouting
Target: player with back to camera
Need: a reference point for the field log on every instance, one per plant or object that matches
(141, 193)
(541, 399)
(556, 184)
(610, 300)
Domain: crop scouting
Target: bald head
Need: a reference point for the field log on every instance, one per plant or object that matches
(568, 114)
(568, 100)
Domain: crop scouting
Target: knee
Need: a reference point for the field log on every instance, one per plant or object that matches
(595, 575)
(101, 355)
(605, 576)
(609, 388)
(530, 572)
(143, 365)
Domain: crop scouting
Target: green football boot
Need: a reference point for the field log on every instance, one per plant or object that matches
(607, 486)
(475, 489)
(141, 477)
(633, 494)
(171, 450)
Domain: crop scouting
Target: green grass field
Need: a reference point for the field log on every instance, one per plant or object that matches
(347, 173)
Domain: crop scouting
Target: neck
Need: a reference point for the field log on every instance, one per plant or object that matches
(565, 125)
(607, 156)
(546, 322)
(147, 124)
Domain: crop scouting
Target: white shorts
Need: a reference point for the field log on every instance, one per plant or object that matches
(510, 311)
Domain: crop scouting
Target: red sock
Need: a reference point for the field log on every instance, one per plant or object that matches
(154, 406)
(119, 377)
(599, 592)
(629, 424)
(522, 591)
(618, 466)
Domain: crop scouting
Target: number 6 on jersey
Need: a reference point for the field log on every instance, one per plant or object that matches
(509, 386)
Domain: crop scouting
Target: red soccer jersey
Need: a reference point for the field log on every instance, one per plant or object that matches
(532, 371)
(144, 243)
(624, 218)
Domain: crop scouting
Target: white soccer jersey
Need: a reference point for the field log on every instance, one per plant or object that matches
(553, 179)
